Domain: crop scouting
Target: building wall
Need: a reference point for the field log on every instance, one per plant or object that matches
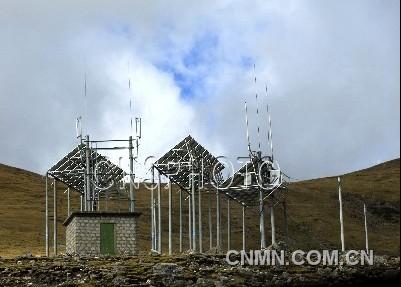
(83, 235)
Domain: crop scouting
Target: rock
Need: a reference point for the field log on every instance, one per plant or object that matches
(204, 282)
(166, 269)
(279, 245)
(285, 275)
(119, 281)
(334, 273)
(213, 251)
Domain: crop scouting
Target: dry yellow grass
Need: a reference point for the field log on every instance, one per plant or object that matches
(312, 210)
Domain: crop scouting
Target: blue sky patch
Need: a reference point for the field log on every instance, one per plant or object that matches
(196, 65)
(202, 51)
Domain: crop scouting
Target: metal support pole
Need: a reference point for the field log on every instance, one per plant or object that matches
(180, 220)
(200, 221)
(285, 221)
(131, 176)
(190, 221)
(228, 225)
(47, 218)
(193, 212)
(218, 244)
(341, 215)
(54, 217)
(154, 226)
(81, 202)
(262, 220)
(170, 224)
(68, 202)
(152, 210)
(88, 180)
(159, 234)
(366, 228)
(106, 204)
(273, 225)
(210, 221)
(243, 228)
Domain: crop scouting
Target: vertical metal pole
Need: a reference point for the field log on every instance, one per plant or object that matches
(131, 176)
(262, 220)
(273, 225)
(218, 245)
(54, 217)
(210, 221)
(228, 226)
(200, 221)
(47, 218)
(81, 201)
(193, 212)
(106, 204)
(341, 215)
(190, 221)
(88, 180)
(159, 234)
(366, 228)
(180, 220)
(285, 220)
(155, 244)
(152, 210)
(84, 199)
(170, 224)
(68, 202)
(243, 228)
(119, 200)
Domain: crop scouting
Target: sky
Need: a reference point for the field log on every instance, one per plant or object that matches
(332, 69)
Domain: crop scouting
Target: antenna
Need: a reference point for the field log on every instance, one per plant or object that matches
(78, 128)
(270, 135)
(85, 96)
(138, 127)
(257, 110)
(130, 96)
(247, 128)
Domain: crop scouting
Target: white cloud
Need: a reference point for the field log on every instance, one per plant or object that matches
(332, 67)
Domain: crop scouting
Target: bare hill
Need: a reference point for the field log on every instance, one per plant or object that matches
(312, 213)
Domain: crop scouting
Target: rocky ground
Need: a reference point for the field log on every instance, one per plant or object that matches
(186, 270)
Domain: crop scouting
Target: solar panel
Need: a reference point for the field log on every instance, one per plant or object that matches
(186, 158)
(245, 184)
(71, 169)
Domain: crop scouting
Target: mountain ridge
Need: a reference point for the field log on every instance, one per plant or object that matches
(312, 213)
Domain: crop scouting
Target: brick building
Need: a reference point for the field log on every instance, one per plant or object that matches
(101, 233)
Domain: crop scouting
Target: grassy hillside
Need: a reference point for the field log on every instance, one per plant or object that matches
(312, 213)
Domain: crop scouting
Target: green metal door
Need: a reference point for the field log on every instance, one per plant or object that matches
(107, 238)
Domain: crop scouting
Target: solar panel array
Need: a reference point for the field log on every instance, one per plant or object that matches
(245, 185)
(71, 169)
(187, 158)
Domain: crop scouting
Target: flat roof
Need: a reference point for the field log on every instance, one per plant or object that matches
(100, 214)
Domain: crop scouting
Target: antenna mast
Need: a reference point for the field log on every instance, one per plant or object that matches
(86, 96)
(270, 135)
(247, 129)
(130, 96)
(257, 110)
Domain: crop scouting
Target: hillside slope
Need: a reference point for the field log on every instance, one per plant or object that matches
(312, 213)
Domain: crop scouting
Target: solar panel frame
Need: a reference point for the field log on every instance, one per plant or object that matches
(247, 194)
(190, 156)
(71, 169)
